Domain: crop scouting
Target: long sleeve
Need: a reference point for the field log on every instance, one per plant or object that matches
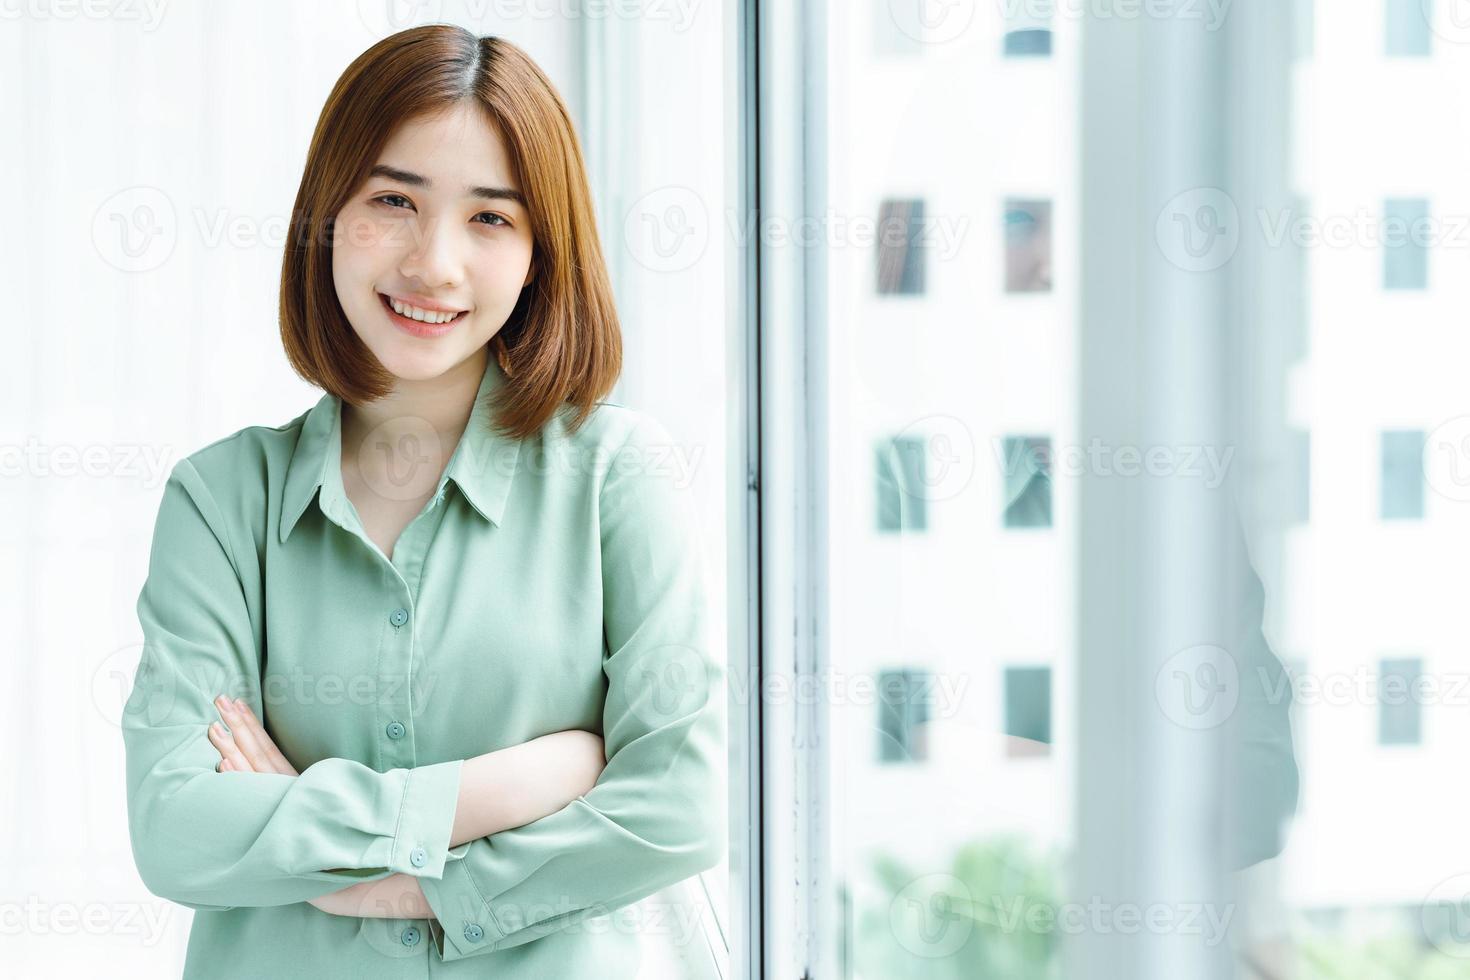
(657, 814)
(1261, 775)
(212, 841)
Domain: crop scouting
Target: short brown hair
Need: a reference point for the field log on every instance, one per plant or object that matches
(562, 343)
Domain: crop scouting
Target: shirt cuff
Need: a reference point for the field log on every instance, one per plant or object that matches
(426, 819)
(460, 922)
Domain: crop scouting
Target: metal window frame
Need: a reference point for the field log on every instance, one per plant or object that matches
(784, 62)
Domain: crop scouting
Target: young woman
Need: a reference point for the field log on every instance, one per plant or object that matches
(427, 670)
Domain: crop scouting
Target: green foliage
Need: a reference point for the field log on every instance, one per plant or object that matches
(989, 914)
(1398, 956)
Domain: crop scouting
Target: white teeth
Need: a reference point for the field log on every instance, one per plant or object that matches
(426, 316)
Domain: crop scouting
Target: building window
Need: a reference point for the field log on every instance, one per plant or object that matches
(1407, 31)
(1028, 29)
(1028, 711)
(903, 714)
(1026, 481)
(1028, 42)
(1399, 701)
(901, 248)
(1402, 486)
(899, 464)
(1028, 246)
(1406, 243)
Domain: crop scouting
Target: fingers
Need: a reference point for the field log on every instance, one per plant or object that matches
(277, 759)
(231, 759)
(256, 751)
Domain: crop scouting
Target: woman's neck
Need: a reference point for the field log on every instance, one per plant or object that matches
(416, 426)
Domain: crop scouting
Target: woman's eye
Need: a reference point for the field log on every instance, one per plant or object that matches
(491, 214)
(388, 198)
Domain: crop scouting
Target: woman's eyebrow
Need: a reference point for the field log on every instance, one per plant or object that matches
(416, 180)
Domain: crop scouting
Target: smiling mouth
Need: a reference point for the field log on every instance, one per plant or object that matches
(434, 315)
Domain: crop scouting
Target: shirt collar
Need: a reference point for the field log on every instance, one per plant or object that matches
(482, 466)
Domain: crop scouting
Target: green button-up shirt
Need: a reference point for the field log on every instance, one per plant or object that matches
(560, 586)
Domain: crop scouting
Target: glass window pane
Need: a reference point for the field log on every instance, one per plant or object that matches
(1399, 698)
(903, 712)
(1028, 246)
(1028, 710)
(945, 578)
(901, 247)
(899, 463)
(1402, 475)
(1027, 481)
(1407, 33)
(1405, 243)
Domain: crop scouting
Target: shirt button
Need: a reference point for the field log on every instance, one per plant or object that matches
(395, 729)
(398, 617)
(418, 857)
(474, 933)
(411, 936)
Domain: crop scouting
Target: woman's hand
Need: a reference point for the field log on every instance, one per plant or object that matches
(245, 747)
(397, 896)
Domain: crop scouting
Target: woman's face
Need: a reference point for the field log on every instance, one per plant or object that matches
(439, 226)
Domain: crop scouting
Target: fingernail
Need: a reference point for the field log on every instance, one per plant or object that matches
(240, 704)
